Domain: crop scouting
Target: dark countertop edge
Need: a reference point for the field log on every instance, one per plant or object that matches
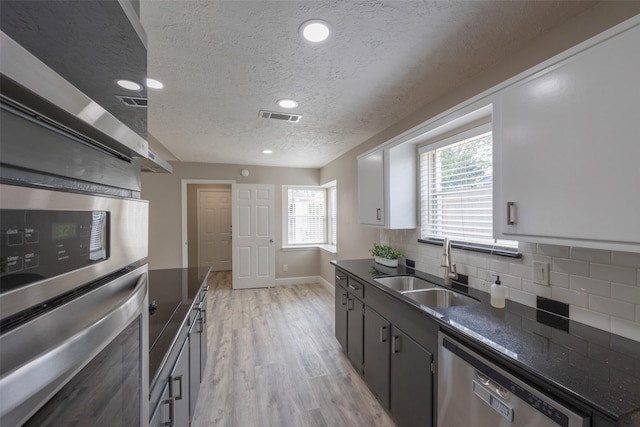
(484, 298)
(174, 340)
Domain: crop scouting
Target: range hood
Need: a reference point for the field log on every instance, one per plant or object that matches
(60, 60)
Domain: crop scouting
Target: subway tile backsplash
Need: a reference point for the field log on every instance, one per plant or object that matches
(601, 287)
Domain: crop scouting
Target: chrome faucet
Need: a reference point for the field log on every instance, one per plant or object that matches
(449, 269)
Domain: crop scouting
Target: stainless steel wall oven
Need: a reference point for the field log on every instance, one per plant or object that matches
(74, 310)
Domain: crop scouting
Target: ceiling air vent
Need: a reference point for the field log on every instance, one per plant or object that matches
(133, 101)
(295, 118)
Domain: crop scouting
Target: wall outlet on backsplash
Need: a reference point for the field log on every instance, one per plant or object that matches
(541, 273)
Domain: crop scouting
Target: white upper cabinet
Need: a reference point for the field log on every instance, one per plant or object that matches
(387, 187)
(567, 147)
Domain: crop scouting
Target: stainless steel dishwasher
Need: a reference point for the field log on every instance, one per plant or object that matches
(475, 392)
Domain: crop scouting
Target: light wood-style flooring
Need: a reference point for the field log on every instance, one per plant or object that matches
(274, 361)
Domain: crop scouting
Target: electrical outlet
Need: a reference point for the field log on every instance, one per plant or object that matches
(541, 273)
(285, 267)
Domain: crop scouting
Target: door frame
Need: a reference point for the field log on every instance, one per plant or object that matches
(184, 183)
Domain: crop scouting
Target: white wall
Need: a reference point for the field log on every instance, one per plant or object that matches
(164, 192)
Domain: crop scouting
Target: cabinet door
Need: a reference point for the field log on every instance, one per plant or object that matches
(355, 331)
(203, 336)
(194, 362)
(371, 188)
(377, 336)
(164, 412)
(567, 150)
(411, 381)
(341, 315)
(179, 387)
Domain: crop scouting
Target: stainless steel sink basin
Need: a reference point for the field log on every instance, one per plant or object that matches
(439, 297)
(404, 283)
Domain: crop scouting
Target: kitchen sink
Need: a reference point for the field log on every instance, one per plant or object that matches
(439, 297)
(404, 283)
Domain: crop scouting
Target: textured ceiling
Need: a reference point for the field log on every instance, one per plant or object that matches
(223, 61)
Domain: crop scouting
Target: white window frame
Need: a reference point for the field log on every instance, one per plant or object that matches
(326, 245)
(502, 245)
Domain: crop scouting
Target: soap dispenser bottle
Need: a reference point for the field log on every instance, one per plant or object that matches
(497, 294)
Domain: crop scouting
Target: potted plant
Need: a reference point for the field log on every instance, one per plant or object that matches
(385, 255)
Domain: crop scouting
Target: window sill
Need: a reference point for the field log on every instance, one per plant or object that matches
(476, 247)
(327, 248)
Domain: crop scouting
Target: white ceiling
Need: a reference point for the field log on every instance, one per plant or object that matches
(223, 61)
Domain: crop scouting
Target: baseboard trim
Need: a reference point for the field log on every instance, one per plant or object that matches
(305, 280)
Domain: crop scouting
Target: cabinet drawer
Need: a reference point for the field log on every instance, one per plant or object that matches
(341, 278)
(355, 288)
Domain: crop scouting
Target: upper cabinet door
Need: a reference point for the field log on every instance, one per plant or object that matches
(371, 192)
(387, 180)
(567, 149)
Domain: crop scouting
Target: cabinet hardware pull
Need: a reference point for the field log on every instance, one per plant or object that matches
(174, 379)
(383, 337)
(353, 288)
(378, 214)
(349, 307)
(343, 298)
(511, 217)
(171, 401)
(339, 277)
(395, 344)
(204, 316)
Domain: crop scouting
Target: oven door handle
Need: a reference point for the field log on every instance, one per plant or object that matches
(109, 309)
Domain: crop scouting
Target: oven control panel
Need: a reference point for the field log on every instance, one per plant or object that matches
(39, 244)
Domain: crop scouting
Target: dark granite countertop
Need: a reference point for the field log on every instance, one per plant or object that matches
(173, 290)
(595, 367)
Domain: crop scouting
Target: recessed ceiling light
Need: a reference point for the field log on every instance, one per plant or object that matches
(128, 84)
(314, 30)
(267, 151)
(287, 103)
(154, 84)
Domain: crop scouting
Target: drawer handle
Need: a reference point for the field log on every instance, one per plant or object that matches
(349, 304)
(343, 298)
(396, 344)
(353, 288)
(179, 379)
(511, 213)
(171, 402)
(383, 335)
(339, 278)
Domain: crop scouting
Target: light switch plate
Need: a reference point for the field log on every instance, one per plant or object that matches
(541, 273)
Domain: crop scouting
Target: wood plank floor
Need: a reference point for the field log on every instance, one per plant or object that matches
(274, 361)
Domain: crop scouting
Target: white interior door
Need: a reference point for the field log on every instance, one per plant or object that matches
(214, 229)
(253, 245)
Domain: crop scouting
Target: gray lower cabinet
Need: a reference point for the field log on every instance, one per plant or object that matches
(195, 341)
(355, 330)
(411, 381)
(341, 315)
(377, 336)
(163, 416)
(179, 388)
(203, 334)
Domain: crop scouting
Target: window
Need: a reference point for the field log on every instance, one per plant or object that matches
(310, 215)
(456, 185)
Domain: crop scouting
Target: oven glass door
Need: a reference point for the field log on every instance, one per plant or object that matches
(106, 392)
(84, 362)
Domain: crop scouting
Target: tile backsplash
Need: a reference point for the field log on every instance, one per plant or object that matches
(601, 287)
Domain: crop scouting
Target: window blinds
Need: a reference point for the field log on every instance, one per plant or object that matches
(306, 216)
(456, 182)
